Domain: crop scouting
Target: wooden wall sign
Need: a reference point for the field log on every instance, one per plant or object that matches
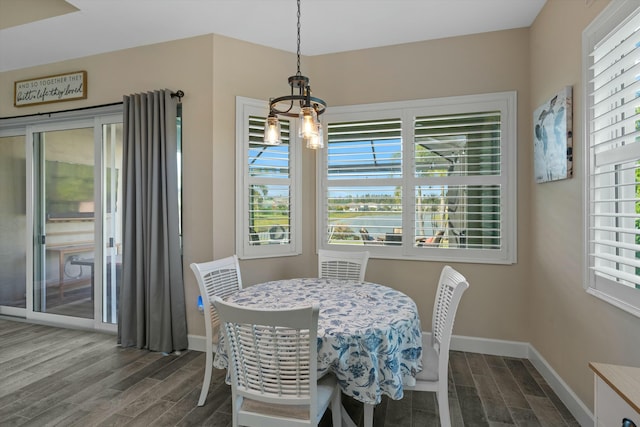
(56, 88)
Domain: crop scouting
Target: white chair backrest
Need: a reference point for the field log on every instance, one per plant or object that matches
(272, 353)
(435, 356)
(217, 278)
(342, 264)
(451, 286)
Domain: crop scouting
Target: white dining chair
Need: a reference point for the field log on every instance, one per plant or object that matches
(342, 264)
(215, 278)
(273, 367)
(435, 355)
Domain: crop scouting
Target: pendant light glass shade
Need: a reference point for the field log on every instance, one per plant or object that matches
(272, 134)
(316, 142)
(307, 123)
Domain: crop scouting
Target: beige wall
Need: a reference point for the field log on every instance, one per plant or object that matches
(493, 306)
(213, 70)
(540, 299)
(566, 325)
(184, 64)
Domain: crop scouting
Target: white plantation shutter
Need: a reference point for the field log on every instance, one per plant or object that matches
(452, 149)
(268, 222)
(470, 142)
(430, 179)
(364, 171)
(613, 187)
(365, 149)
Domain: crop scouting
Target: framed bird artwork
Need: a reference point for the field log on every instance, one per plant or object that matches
(553, 137)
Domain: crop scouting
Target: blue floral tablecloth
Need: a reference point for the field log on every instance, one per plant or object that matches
(369, 335)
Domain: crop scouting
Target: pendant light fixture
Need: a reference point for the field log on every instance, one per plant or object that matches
(298, 104)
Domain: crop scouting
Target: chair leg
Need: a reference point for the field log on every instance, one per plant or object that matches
(207, 377)
(336, 408)
(443, 407)
(236, 403)
(368, 414)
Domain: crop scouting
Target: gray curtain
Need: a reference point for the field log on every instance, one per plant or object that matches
(152, 307)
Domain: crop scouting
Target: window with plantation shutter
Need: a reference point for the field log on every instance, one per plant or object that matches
(611, 57)
(364, 173)
(449, 148)
(430, 179)
(268, 223)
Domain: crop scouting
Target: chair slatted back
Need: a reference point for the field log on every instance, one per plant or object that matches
(435, 355)
(272, 353)
(450, 288)
(342, 265)
(272, 357)
(217, 278)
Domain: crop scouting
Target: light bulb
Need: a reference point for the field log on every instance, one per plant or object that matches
(316, 142)
(272, 135)
(308, 123)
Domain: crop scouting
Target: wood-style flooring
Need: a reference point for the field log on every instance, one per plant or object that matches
(62, 377)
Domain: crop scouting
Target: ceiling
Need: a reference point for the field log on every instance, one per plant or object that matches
(35, 32)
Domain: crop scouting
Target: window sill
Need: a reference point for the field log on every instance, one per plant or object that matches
(623, 305)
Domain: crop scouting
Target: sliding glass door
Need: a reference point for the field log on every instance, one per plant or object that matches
(60, 218)
(64, 222)
(77, 176)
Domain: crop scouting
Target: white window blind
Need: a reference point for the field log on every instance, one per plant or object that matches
(613, 116)
(423, 179)
(365, 149)
(364, 170)
(268, 187)
(450, 150)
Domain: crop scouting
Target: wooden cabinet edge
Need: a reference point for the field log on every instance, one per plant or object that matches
(608, 374)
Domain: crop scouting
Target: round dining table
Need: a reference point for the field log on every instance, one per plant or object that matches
(369, 335)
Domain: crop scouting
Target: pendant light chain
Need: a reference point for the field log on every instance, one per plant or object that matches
(299, 104)
(298, 73)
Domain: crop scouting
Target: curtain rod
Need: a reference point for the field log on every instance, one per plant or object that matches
(178, 93)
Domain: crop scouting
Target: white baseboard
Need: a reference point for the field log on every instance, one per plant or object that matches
(522, 350)
(579, 410)
(526, 351)
(488, 346)
(197, 342)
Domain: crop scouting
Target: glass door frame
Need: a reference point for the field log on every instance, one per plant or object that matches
(27, 126)
(16, 131)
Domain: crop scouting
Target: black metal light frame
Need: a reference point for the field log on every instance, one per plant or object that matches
(304, 96)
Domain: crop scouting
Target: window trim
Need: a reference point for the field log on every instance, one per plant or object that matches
(506, 102)
(246, 107)
(606, 22)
